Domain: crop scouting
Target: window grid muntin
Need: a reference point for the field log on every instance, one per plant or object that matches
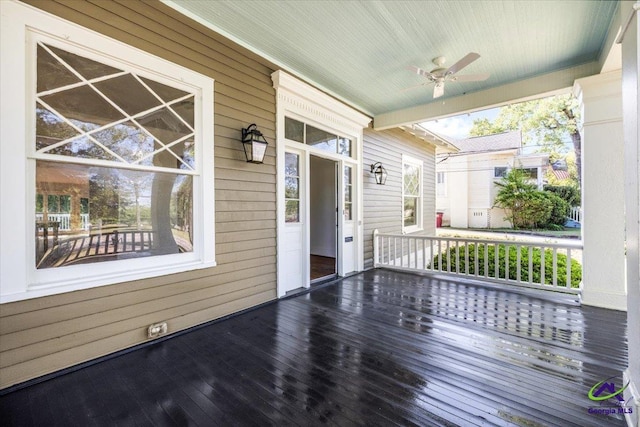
(126, 117)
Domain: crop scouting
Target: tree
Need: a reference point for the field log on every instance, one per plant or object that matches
(548, 122)
(526, 206)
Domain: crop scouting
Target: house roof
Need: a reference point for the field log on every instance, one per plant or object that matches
(360, 51)
(498, 142)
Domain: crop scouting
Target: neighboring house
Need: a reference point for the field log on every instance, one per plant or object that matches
(466, 178)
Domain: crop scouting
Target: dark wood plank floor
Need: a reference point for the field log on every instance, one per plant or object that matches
(322, 266)
(376, 349)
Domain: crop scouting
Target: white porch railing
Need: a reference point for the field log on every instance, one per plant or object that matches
(65, 220)
(576, 214)
(517, 263)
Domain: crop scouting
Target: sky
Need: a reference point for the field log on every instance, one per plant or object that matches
(458, 127)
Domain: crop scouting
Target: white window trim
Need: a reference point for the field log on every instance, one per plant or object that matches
(420, 205)
(19, 279)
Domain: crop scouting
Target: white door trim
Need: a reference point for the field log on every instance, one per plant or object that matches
(297, 99)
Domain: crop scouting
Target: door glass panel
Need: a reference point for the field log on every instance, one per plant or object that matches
(322, 140)
(292, 187)
(348, 197)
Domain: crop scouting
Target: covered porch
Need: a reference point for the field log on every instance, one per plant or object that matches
(377, 348)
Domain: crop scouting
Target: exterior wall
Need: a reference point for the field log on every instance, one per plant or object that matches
(42, 335)
(383, 203)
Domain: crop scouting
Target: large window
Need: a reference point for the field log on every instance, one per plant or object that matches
(411, 194)
(115, 155)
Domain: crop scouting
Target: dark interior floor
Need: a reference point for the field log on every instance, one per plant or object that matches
(322, 266)
(376, 349)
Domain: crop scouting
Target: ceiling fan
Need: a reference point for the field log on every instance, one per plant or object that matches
(440, 75)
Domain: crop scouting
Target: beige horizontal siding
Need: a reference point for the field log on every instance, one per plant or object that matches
(383, 203)
(42, 335)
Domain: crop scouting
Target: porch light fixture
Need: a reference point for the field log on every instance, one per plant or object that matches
(380, 173)
(255, 146)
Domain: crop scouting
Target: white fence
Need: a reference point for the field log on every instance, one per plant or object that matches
(526, 264)
(64, 220)
(576, 214)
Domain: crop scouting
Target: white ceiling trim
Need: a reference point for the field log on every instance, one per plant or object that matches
(522, 90)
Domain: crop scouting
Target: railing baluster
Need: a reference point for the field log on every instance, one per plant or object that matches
(466, 258)
(457, 270)
(448, 256)
(518, 262)
(530, 250)
(486, 260)
(506, 262)
(569, 264)
(496, 265)
(555, 267)
(543, 253)
(439, 255)
(476, 261)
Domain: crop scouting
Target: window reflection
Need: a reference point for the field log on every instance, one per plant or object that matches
(87, 214)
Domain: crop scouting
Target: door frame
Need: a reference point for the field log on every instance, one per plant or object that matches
(303, 102)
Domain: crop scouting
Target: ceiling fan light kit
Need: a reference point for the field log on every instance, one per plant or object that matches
(440, 75)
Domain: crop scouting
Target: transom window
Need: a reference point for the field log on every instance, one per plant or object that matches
(411, 194)
(326, 141)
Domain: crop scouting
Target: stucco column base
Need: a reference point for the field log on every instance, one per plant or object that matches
(610, 300)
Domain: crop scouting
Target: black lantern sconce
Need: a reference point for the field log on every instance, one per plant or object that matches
(379, 172)
(255, 146)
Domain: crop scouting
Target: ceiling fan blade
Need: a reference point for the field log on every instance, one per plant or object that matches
(468, 59)
(419, 71)
(470, 77)
(438, 90)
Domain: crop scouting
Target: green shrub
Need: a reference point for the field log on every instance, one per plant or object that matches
(576, 267)
(567, 193)
(559, 209)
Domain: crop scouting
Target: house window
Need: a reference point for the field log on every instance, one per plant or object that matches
(441, 184)
(322, 140)
(115, 177)
(531, 173)
(411, 194)
(292, 187)
(500, 172)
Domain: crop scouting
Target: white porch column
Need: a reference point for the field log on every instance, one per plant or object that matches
(603, 225)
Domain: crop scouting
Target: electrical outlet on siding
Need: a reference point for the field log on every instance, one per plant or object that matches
(157, 329)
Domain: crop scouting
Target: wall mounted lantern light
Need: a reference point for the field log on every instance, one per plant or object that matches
(379, 172)
(255, 146)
